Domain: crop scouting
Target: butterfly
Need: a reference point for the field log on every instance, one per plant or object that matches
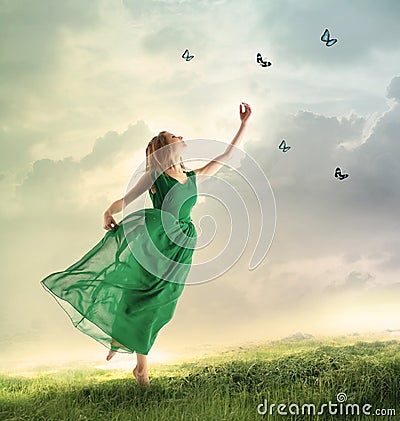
(262, 62)
(339, 174)
(283, 146)
(325, 38)
(186, 55)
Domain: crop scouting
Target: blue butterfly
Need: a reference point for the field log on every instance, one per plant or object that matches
(338, 173)
(325, 38)
(283, 146)
(186, 55)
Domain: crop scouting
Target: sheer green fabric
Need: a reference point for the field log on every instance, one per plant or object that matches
(125, 289)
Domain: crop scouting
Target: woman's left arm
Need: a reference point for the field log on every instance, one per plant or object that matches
(214, 165)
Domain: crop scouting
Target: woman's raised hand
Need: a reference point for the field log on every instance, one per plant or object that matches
(244, 115)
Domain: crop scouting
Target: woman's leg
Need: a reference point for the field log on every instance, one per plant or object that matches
(141, 370)
(141, 363)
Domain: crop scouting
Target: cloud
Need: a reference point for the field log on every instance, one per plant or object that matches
(32, 47)
(390, 255)
(319, 144)
(31, 39)
(355, 281)
(112, 146)
(63, 184)
(393, 90)
(295, 38)
(143, 11)
(53, 182)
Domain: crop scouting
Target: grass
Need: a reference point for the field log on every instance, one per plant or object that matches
(227, 386)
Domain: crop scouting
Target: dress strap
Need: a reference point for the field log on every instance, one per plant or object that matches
(154, 182)
(153, 176)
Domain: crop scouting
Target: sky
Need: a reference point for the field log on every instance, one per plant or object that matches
(86, 85)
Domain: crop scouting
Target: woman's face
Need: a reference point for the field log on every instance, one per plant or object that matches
(175, 139)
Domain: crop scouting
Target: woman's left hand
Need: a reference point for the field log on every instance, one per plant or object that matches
(244, 115)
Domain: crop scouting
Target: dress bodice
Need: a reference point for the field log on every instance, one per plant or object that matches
(173, 196)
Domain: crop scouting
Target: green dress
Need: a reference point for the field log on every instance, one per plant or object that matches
(125, 289)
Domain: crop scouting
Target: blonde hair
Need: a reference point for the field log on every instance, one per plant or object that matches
(158, 158)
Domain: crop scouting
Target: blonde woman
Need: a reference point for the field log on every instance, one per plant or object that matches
(125, 289)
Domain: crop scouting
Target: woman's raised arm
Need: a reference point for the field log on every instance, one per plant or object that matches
(214, 165)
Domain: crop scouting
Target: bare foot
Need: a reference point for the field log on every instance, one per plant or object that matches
(114, 343)
(110, 355)
(142, 378)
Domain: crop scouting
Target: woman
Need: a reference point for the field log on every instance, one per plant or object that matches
(125, 289)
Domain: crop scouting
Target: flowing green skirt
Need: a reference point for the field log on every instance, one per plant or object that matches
(125, 289)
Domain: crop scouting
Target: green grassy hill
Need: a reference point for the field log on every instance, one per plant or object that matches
(228, 386)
